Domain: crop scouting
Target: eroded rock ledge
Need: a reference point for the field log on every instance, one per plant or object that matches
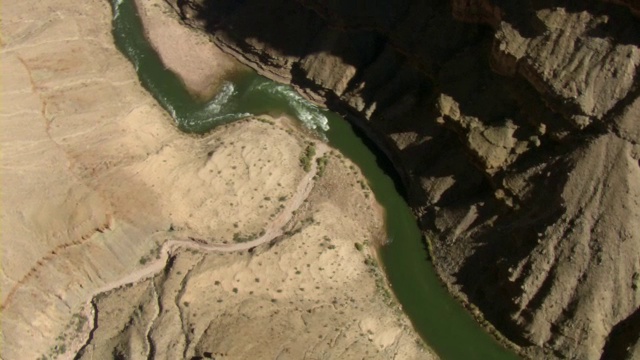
(516, 129)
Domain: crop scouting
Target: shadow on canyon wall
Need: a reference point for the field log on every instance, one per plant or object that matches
(387, 65)
(405, 57)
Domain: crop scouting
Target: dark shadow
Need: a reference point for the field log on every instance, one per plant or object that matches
(406, 54)
(284, 25)
(623, 32)
(521, 16)
(484, 276)
(376, 145)
(624, 335)
(383, 161)
(347, 29)
(399, 48)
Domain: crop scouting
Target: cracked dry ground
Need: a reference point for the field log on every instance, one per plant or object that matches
(96, 178)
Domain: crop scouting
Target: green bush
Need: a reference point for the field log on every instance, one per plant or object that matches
(308, 154)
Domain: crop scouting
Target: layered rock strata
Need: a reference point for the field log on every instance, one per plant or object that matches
(515, 128)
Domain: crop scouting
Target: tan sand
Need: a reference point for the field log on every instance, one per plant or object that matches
(95, 178)
(185, 51)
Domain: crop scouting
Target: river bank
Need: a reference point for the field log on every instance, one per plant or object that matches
(100, 178)
(430, 309)
(191, 55)
(496, 128)
(327, 98)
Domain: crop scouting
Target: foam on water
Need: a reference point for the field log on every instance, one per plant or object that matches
(217, 110)
(222, 98)
(116, 8)
(220, 119)
(223, 108)
(308, 113)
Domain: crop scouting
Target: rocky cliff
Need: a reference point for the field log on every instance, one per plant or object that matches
(515, 126)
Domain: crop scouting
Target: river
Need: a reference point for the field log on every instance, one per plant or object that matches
(441, 321)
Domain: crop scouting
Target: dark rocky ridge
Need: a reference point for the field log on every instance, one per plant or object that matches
(516, 129)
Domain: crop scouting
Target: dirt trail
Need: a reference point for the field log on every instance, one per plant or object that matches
(272, 231)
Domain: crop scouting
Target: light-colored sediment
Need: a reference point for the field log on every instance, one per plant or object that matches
(273, 229)
(95, 178)
(187, 52)
(308, 293)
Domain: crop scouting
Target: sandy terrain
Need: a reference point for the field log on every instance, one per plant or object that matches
(272, 231)
(96, 178)
(187, 52)
(308, 294)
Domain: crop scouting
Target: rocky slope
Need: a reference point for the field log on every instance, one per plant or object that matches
(515, 128)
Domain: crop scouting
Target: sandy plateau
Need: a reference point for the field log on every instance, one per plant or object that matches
(125, 238)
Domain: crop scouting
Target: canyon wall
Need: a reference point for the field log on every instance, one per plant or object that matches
(515, 128)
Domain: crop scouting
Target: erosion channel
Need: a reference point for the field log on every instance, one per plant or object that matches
(441, 321)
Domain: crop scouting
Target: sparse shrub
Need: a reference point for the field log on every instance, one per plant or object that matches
(80, 320)
(308, 154)
(322, 164)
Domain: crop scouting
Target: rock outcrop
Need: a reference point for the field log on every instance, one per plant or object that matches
(515, 128)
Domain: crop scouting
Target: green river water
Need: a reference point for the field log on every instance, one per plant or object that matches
(441, 321)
